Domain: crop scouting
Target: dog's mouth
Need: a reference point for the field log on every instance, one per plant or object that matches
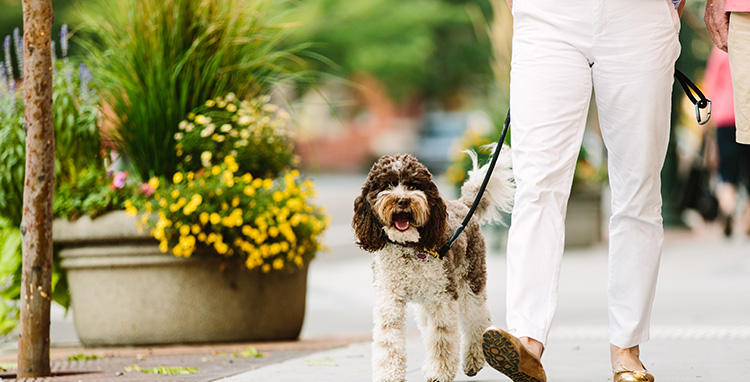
(401, 220)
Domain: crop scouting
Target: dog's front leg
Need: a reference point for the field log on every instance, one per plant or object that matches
(389, 338)
(439, 325)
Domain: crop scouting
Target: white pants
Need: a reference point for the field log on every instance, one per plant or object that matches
(625, 50)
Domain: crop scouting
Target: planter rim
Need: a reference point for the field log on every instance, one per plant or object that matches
(115, 225)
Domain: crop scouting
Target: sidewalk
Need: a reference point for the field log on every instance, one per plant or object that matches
(700, 327)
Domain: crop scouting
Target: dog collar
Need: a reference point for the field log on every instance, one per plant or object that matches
(422, 254)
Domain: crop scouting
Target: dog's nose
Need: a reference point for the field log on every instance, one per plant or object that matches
(403, 202)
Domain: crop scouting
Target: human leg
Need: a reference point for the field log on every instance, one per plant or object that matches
(729, 173)
(738, 43)
(550, 93)
(633, 70)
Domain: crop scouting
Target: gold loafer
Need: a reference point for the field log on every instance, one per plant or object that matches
(625, 375)
(506, 354)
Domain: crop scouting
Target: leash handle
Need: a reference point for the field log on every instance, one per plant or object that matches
(457, 232)
(690, 88)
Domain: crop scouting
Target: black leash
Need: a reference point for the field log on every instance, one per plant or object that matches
(688, 86)
(703, 103)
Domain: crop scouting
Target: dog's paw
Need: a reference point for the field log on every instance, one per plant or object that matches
(472, 368)
(473, 364)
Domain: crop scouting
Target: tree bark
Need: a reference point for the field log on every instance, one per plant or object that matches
(36, 226)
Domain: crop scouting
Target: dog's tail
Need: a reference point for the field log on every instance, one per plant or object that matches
(498, 196)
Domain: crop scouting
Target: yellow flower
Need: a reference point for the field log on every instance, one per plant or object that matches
(177, 178)
(215, 170)
(231, 108)
(210, 103)
(249, 190)
(195, 229)
(200, 119)
(164, 246)
(130, 208)
(277, 196)
(185, 230)
(265, 268)
(221, 247)
(278, 264)
(175, 194)
(235, 201)
(154, 183)
(214, 218)
(203, 218)
(268, 183)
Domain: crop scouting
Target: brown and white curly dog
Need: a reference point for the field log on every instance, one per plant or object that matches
(402, 218)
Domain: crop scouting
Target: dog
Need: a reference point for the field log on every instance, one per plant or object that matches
(401, 218)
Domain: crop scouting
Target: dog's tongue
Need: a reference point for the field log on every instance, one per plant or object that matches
(401, 221)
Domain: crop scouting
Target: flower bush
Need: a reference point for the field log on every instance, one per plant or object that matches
(235, 193)
(256, 133)
(267, 222)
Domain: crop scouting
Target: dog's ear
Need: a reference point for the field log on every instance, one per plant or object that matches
(367, 228)
(431, 235)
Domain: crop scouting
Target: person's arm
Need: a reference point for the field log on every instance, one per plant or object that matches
(717, 22)
(510, 4)
(680, 8)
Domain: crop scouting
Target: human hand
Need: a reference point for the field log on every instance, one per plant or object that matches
(510, 4)
(717, 22)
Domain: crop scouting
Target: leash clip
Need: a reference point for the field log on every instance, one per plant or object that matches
(706, 105)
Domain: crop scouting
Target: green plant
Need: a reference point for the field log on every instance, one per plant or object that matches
(268, 223)
(256, 133)
(268, 220)
(78, 160)
(156, 60)
(420, 47)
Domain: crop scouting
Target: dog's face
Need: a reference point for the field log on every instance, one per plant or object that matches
(399, 202)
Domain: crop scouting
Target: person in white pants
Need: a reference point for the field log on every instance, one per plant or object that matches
(625, 50)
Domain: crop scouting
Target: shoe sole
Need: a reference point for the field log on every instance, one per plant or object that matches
(502, 355)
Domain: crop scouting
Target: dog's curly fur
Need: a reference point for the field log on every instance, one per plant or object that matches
(401, 217)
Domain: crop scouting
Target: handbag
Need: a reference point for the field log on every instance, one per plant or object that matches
(698, 192)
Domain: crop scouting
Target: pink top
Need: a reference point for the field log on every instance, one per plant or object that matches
(718, 88)
(737, 6)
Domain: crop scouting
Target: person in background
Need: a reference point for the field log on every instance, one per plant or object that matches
(728, 23)
(734, 158)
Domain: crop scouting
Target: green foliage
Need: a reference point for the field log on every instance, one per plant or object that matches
(164, 370)
(250, 352)
(12, 155)
(157, 60)
(10, 276)
(421, 46)
(77, 155)
(254, 132)
(83, 357)
(93, 193)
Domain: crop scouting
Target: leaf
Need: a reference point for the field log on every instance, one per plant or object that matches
(8, 366)
(170, 370)
(83, 357)
(250, 352)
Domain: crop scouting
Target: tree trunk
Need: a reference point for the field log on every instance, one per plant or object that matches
(36, 227)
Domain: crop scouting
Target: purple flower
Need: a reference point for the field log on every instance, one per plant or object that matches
(64, 40)
(8, 62)
(18, 42)
(119, 180)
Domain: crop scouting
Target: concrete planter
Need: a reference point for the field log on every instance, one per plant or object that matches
(583, 222)
(124, 291)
